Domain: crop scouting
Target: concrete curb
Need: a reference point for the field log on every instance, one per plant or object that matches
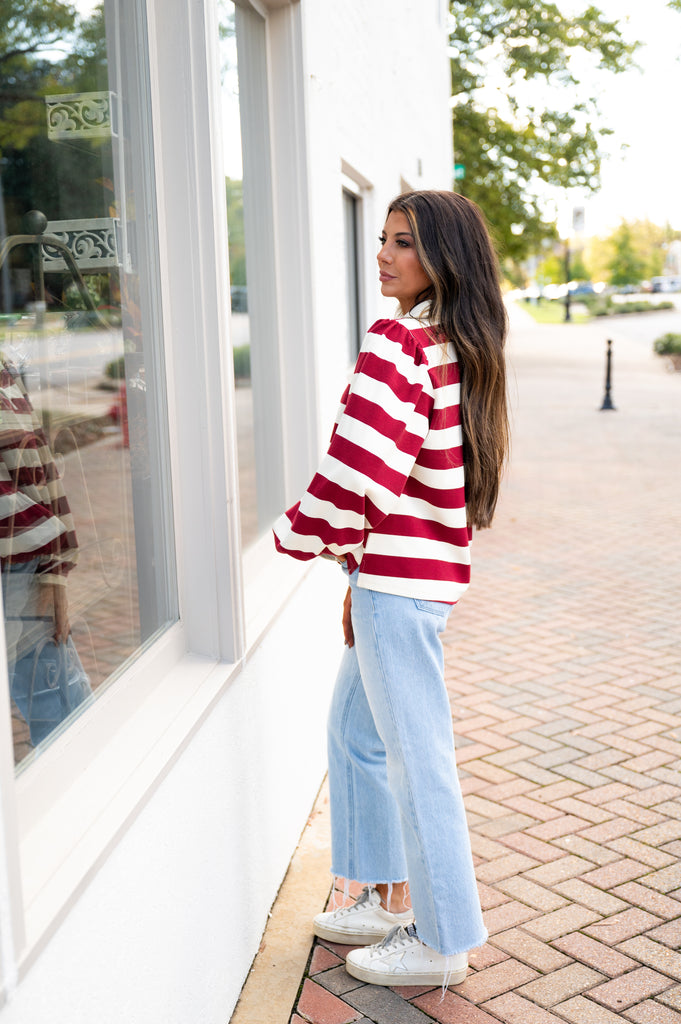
(270, 991)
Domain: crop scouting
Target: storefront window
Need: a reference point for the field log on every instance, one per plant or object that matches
(240, 319)
(254, 328)
(85, 505)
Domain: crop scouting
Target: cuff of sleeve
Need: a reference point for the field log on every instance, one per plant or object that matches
(279, 531)
(52, 579)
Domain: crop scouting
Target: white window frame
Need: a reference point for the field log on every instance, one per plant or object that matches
(354, 259)
(354, 182)
(61, 817)
(292, 414)
(368, 228)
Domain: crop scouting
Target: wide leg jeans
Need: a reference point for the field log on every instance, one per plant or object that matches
(396, 807)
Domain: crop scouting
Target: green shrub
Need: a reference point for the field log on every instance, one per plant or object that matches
(668, 344)
(242, 362)
(639, 306)
(599, 305)
(116, 368)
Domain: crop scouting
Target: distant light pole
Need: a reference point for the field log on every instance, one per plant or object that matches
(577, 228)
(568, 315)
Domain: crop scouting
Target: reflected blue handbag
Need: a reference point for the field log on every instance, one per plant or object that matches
(48, 684)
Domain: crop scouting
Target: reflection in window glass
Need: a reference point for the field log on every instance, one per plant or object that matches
(85, 538)
(351, 226)
(241, 326)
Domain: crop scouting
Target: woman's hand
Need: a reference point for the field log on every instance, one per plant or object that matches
(347, 619)
(62, 626)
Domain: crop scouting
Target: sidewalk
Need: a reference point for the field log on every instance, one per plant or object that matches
(564, 668)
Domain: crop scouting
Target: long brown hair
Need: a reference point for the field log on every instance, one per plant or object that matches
(455, 250)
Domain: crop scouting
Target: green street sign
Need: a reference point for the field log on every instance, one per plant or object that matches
(459, 172)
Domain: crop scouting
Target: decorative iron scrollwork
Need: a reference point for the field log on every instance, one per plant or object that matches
(93, 244)
(78, 115)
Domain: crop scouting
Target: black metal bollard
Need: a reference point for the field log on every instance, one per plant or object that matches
(607, 400)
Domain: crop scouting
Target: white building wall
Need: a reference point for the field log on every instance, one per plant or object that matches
(166, 930)
(379, 83)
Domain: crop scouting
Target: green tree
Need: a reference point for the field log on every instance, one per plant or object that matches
(27, 76)
(649, 242)
(551, 270)
(578, 268)
(46, 48)
(27, 26)
(86, 63)
(626, 266)
(512, 147)
(237, 239)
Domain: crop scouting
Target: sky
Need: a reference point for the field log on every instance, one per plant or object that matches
(641, 177)
(642, 181)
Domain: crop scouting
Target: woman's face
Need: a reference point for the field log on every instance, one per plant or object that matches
(400, 272)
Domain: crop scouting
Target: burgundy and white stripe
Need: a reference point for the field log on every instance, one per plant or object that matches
(389, 494)
(35, 518)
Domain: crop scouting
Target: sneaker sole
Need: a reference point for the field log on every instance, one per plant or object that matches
(392, 980)
(347, 938)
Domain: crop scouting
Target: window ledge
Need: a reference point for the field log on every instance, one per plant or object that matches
(270, 579)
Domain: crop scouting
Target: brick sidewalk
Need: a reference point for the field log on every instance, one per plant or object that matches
(563, 664)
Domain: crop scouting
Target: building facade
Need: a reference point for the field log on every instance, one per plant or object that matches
(192, 192)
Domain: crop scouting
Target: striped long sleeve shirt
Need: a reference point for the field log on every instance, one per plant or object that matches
(389, 494)
(35, 518)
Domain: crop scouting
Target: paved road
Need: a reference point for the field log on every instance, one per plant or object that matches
(60, 358)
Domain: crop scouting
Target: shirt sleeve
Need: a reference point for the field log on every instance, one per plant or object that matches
(383, 421)
(35, 518)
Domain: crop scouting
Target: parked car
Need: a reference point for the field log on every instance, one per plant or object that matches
(666, 283)
(582, 288)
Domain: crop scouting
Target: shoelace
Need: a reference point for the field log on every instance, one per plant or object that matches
(400, 936)
(361, 901)
(396, 937)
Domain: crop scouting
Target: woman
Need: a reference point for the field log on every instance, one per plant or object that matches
(414, 463)
(38, 549)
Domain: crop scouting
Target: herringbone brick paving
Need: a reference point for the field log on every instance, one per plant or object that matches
(564, 669)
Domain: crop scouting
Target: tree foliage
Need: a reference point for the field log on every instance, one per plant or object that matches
(237, 238)
(647, 242)
(528, 136)
(625, 266)
(27, 26)
(46, 48)
(552, 269)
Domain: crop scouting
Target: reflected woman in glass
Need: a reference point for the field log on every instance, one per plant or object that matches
(38, 549)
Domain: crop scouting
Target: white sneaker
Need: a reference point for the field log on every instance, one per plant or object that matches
(362, 923)
(402, 959)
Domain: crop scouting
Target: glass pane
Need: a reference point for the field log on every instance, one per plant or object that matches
(241, 327)
(247, 164)
(85, 528)
(350, 204)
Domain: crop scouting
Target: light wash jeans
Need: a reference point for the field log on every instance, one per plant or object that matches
(396, 806)
(47, 680)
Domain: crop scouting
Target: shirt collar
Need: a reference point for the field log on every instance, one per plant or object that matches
(418, 312)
